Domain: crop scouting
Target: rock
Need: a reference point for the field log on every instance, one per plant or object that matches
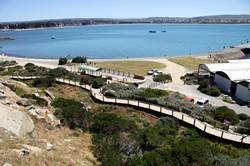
(67, 140)
(7, 164)
(49, 146)
(32, 149)
(10, 85)
(39, 113)
(21, 152)
(17, 122)
(1, 140)
(25, 102)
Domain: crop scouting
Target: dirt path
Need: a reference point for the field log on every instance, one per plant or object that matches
(174, 69)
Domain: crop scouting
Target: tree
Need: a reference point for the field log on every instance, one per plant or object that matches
(79, 59)
(63, 61)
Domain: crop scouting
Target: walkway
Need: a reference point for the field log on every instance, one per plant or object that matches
(235, 137)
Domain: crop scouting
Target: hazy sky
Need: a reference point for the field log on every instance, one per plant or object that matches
(19, 10)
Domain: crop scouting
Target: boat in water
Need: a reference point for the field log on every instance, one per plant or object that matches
(53, 37)
(152, 31)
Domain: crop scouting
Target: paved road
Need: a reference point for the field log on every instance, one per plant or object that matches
(191, 91)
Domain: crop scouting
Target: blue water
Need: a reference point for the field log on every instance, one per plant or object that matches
(122, 41)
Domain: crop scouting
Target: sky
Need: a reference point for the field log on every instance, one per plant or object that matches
(24, 10)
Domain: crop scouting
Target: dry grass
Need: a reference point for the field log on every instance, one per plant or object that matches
(74, 152)
(190, 63)
(71, 92)
(137, 67)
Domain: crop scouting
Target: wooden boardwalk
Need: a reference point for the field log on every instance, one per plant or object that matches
(209, 129)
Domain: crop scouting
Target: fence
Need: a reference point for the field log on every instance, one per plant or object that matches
(209, 129)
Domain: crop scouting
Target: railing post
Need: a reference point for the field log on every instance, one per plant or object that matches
(115, 100)
(138, 103)
(160, 109)
(172, 113)
(194, 121)
(182, 117)
(222, 133)
(102, 98)
(128, 101)
(149, 106)
(205, 127)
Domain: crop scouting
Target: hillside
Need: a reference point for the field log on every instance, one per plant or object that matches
(217, 19)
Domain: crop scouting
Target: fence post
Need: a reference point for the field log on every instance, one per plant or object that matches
(194, 121)
(222, 133)
(205, 127)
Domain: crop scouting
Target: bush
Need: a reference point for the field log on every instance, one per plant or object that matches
(214, 91)
(79, 59)
(39, 101)
(108, 123)
(163, 78)
(72, 113)
(62, 61)
(44, 81)
(224, 113)
(98, 82)
(243, 116)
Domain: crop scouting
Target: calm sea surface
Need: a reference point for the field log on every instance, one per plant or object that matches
(122, 41)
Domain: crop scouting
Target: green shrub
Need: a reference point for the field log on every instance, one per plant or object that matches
(163, 78)
(79, 59)
(224, 113)
(72, 113)
(86, 79)
(62, 61)
(39, 101)
(108, 123)
(214, 91)
(243, 116)
(98, 82)
(19, 91)
(46, 81)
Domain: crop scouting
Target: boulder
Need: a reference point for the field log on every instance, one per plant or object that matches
(7, 164)
(32, 149)
(25, 102)
(49, 146)
(17, 122)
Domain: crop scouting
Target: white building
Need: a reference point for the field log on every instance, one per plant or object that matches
(232, 78)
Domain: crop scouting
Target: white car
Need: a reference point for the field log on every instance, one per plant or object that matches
(202, 102)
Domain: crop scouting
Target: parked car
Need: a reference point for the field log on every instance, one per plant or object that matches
(202, 102)
(189, 99)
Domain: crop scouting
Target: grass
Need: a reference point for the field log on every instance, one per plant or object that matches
(137, 67)
(20, 92)
(190, 63)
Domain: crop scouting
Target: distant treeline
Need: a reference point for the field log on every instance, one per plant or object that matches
(220, 19)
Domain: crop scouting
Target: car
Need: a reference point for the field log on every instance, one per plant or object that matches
(150, 72)
(202, 102)
(189, 99)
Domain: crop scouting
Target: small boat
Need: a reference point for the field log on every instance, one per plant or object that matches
(152, 31)
(163, 31)
(53, 37)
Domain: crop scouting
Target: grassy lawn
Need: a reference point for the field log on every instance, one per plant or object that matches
(137, 67)
(190, 63)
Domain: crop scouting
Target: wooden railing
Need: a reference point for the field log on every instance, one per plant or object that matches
(209, 129)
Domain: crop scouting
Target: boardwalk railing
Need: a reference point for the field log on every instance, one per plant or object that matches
(209, 129)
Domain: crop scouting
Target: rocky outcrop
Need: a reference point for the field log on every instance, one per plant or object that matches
(233, 53)
(25, 102)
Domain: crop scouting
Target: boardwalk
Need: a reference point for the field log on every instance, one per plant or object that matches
(223, 134)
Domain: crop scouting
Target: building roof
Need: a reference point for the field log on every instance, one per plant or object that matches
(236, 75)
(225, 66)
(89, 68)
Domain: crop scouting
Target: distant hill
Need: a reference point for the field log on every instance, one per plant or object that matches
(217, 19)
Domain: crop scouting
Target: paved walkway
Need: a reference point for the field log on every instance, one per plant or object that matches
(235, 137)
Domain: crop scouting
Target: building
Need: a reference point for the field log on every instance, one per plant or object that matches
(232, 77)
